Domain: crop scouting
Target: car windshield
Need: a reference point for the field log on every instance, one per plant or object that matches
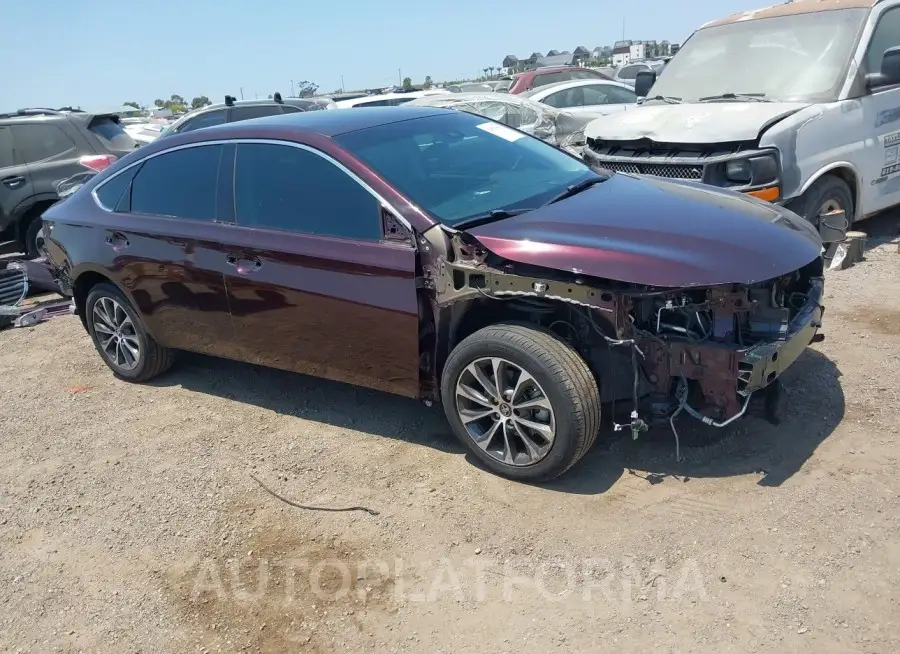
(800, 57)
(456, 165)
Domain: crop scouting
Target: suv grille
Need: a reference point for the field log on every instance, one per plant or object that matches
(658, 169)
(13, 286)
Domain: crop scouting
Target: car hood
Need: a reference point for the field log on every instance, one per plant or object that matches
(655, 232)
(708, 122)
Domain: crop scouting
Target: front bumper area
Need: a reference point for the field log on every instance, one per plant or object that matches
(763, 363)
(722, 376)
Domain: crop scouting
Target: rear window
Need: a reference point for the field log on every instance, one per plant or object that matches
(111, 134)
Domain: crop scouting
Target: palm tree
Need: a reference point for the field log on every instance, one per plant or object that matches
(491, 68)
(485, 71)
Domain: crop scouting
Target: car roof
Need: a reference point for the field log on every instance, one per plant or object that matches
(327, 123)
(795, 7)
(412, 95)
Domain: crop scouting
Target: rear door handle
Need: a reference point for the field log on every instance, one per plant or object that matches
(14, 182)
(117, 241)
(244, 266)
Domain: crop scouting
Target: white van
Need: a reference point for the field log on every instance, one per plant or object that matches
(797, 104)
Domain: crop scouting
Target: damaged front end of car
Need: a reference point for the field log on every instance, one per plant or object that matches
(704, 351)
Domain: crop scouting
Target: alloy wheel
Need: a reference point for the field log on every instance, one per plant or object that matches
(505, 411)
(116, 334)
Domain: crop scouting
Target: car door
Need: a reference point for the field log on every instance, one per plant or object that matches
(161, 244)
(314, 284)
(881, 176)
(15, 182)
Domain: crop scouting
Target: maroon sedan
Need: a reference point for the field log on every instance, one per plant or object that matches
(442, 256)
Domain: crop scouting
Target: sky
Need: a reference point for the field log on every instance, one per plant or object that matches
(99, 54)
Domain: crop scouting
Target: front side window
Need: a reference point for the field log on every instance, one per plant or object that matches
(292, 189)
(795, 57)
(179, 184)
(630, 72)
(36, 143)
(458, 165)
(257, 111)
(595, 94)
(885, 36)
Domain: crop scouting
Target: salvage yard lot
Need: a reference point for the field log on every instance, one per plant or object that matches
(130, 519)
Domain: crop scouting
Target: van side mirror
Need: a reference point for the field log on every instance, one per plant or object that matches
(644, 82)
(890, 70)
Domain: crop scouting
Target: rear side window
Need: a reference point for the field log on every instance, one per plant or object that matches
(290, 109)
(549, 78)
(179, 184)
(207, 119)
(40, 142)
(258, 111)
(111, 134)
(110, 194)
(295, 190)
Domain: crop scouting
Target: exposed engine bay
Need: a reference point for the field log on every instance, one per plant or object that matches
(704, 351)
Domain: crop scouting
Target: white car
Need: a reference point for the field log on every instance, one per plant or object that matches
(627, 74)
(386, 99)
(577, 95)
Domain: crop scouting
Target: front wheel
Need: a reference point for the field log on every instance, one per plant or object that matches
(120, 337)
(828, 193)
(521, 400)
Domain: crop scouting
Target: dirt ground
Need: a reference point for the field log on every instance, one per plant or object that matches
(130, 520)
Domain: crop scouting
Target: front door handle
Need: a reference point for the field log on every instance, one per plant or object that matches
(117, 241)
(14, 182)
(243, 266)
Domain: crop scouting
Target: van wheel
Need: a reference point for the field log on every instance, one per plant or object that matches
(120, 337)
(828, 193)
(521, 400)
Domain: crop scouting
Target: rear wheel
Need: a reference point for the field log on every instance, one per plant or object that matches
(521, 400)
(120, 337)
(31, 239)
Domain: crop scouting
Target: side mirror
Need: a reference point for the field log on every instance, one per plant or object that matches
(644, 82)
(890, 70)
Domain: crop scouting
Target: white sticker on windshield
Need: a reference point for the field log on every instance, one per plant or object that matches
(502, 131)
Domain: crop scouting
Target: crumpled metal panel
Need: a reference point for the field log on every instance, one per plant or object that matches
(561, 128)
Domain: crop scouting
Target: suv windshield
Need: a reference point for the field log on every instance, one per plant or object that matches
(456, 165)
(800, 57)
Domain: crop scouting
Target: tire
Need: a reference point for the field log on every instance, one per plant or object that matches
(152, 359)
(827, 189)
(29, 245)
(559, 375)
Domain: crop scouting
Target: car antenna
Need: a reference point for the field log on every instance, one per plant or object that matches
(277, 98)
(229, 100)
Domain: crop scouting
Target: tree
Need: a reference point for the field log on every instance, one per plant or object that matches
(407, 83)
(176, 99)
(491, 69)
(199, 101)
(132, 104)
(306, 89)
(159, 103)
(485, 70)
(428, 83)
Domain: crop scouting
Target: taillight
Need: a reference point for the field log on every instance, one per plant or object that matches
(98, 162)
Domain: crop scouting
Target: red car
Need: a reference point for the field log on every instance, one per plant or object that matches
(446, 257)
(521, 82)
